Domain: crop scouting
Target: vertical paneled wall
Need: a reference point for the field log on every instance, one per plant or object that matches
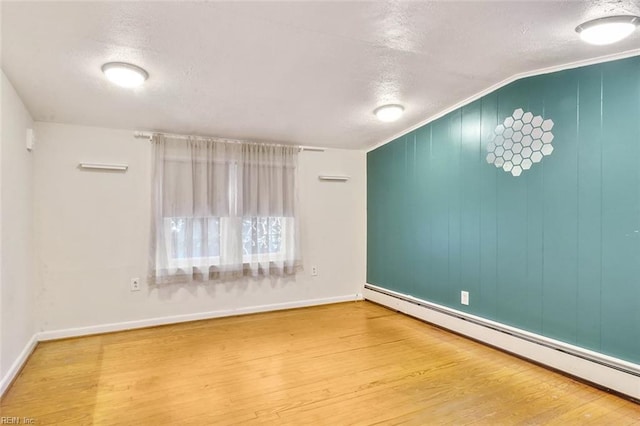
(555, 250)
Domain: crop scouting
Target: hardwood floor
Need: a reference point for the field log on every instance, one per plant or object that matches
(349, 363)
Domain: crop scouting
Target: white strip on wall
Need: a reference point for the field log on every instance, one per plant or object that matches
(609, 372)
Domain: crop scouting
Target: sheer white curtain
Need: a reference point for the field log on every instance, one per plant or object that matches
(222, 210)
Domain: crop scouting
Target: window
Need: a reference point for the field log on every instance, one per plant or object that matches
(222, 210)
(263, 235)
(197, 240)
(192, 240)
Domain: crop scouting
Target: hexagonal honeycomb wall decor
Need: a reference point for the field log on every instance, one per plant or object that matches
(521, 141)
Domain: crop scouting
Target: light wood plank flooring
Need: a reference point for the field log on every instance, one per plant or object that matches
(349, 363)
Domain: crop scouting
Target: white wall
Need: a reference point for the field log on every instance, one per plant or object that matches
(17, 310)
(92, 234)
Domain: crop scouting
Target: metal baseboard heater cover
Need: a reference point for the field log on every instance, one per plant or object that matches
(607, 361)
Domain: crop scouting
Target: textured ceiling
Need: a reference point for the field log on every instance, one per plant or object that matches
(307, 73)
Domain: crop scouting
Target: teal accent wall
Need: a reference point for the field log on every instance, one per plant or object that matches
(556, 250)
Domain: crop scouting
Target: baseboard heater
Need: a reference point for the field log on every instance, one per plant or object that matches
(399, 301)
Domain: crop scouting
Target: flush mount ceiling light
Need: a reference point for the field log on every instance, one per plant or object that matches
(125, 75)
(607, 30)
(389, 113)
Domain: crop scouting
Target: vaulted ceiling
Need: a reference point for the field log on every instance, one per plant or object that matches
(307, 73)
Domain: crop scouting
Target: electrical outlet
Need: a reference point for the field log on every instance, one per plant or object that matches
(464, 297)
(135, 284)
(314, 271)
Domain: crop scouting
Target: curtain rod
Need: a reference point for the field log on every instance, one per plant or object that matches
(149, 135)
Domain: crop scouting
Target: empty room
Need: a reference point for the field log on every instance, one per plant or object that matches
(320, 212)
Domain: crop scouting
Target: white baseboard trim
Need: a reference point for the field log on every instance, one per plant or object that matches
(625, 382)
(15, 368)
(173, 319)
(17, 365)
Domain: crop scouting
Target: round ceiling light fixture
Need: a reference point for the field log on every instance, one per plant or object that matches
(125, 75)
(388, 113)
(607, 30)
